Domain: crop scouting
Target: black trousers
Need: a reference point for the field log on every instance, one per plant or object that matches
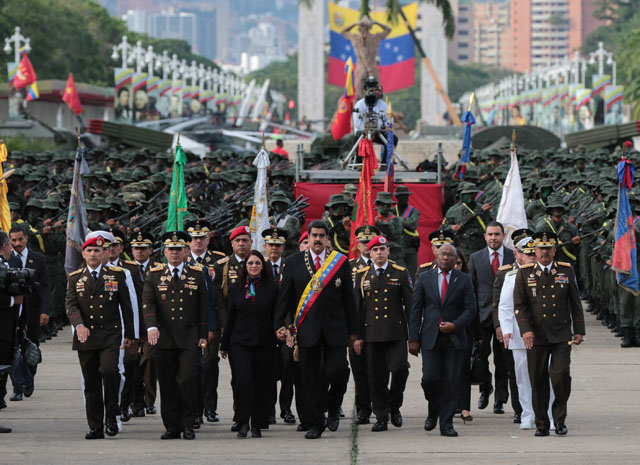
(464, 384)
(285, 374)
(145, 379)
(101, 377)
(387, 360)
(440, 369)
(210, 374)
(177, 375)
(319, 364)
(6, 358)
(358, 365)
(253, 377)
(540, 371)
(489, 342)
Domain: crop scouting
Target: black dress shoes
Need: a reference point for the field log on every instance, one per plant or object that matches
(516, 418)
(15, 397)
(111, 427)
(315, 432)
(125, 415)
(243, 429)
(542, 432)
(483, 401)
(396, 419)
(4, 429)
(302, 427)
(188, 433)
(379, 426)
(333, 422)
(561, 429)
(197, 421)
(361, 420)
(94, 433)
(449, 432)
(430, 423)
(3, 404)
(212, 416)
(255, 432)
(137, 413)
(498, 408)
(341, 413)
(152, 410)
(28, 390)
(272, 419)
(235, 426)
(170, 435)
(288, 417)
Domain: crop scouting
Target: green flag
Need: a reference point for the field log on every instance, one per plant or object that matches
(178, 196)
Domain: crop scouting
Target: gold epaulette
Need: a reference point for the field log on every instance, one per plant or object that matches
(159, 267)
(215, 252)
(564, 264)
(425, 265)
(362, 270)
(115, 268)
(528, 265)
(73, 273)
(196, 267)
(398, 267)
(222, 261)
(505, 267)
(131, 262)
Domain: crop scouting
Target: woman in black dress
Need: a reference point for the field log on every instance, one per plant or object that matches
(251, 343)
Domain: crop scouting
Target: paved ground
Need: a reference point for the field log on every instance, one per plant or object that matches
(604, 412)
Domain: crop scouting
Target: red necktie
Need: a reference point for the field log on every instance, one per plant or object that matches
(443, 290)
(318, 264)
(495, 263)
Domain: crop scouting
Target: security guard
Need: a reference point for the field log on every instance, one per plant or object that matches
(98, 303)
(410, 216)
(175, 308)
(548, 309)
(438, 238)
(384, 294)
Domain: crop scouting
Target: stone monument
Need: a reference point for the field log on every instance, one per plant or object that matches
(311, 63)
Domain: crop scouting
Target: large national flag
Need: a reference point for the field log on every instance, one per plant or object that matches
(396, 52)
(25, 75)
(178, 195)
(342, 124)
(260, 212)
(468, 120)
(363, 207)
(34, 93)
(77, 225)
(624, 251)
(5, 212)
(71, 96)
(511, 212)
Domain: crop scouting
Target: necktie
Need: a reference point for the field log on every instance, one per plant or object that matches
(142, 272)
(495, 263)
(94, 274)
(199, 260)
(369, 262)
(176, 274)
(546, 271)
(380, 272)
(318, 264)
(275, 270)
(443, 290)
(20, 257)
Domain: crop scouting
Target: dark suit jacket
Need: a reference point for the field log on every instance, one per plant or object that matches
(38, 302)
(332, 316)
(251, 323)
(459, 308)
(483, 278)
(8, 322)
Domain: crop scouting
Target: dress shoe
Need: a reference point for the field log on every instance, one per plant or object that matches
(466, 418)
(430, 423)
(94, 433)
(15, 397)
(302, 427)
(255, 432)
(137, 413)
(288, 417)
(483, 401)
(3, 404)
(170, 435)
(333, 422)
(379, 426)
(212, 416)
(4, 429)
(361, 420)
(396, 419)
(125, 415)
(561, 429)
(449, 432)
(315, 432)
(152, 410)
(498, 408)
(196, 423)
(188, 433)
(542, 432)
(516, 418)
(111, 427)
(243, 429)
(272, 419)
(235, 426)
(341, 412)
(627, 338)
(28, 390)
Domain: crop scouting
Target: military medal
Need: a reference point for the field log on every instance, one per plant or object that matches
(338, 282)
(316, 285)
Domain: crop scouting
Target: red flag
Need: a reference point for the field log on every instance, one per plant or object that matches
(71, 96)
(25, 76)
(363, 207)
(342, 124)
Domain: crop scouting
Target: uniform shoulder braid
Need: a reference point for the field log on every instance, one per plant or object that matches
(222, 261)
(131, 262)
(398, 267)
(158, 267)
(363, 269)
(528, 265)
(564, 264)
(115, 268)
(216, 252)
(73, 273)
(196, 267)
(425, 265)
(505, 267)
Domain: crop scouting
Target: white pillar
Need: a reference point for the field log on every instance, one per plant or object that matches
(434, 43)
(311, 63)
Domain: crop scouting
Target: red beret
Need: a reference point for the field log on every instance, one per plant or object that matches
(304, 236)
(239, 231)
(378, 240)
(97, 241)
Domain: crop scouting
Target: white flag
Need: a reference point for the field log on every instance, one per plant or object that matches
(260, 213)
(511, 213)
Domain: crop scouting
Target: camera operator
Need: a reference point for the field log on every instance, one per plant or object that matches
(370, 114)
(8, 321)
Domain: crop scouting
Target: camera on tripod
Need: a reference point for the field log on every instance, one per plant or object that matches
(15, 281)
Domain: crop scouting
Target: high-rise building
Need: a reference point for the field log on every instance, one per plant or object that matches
(462, 46)
(490, 29)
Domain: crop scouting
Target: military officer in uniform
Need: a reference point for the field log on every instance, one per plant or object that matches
(410, 216)
(549, 313)
(383, 293)
(98, 304)
(438, 238)
(175, 306)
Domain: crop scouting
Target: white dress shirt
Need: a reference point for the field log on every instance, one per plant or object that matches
(508, 321)
(322, 257)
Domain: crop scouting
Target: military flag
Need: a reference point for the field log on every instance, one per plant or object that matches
(25, 75)
(71, 96)
(363, 206)
(342, 124)
(77, 225)
(511, 212)
(5, 212)
(260, 212)
(178, 195)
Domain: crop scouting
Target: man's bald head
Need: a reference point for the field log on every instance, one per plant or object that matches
(446, 257)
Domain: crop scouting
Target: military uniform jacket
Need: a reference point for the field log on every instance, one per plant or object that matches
(96, 304)
(384, 303)
(548, 305)
(225, 273)
(178, 309)
(497, 287)
(410, 238)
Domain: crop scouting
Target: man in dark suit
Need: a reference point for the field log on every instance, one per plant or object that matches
(444, 305)
(98, 303)
(329, 324)
(175, 306)
(34, 312)
(483, 267)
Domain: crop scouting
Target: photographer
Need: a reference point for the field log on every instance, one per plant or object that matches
(370, 115)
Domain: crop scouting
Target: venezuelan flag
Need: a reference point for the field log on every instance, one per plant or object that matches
(33, 94)
(613, 95)
(396, 52)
